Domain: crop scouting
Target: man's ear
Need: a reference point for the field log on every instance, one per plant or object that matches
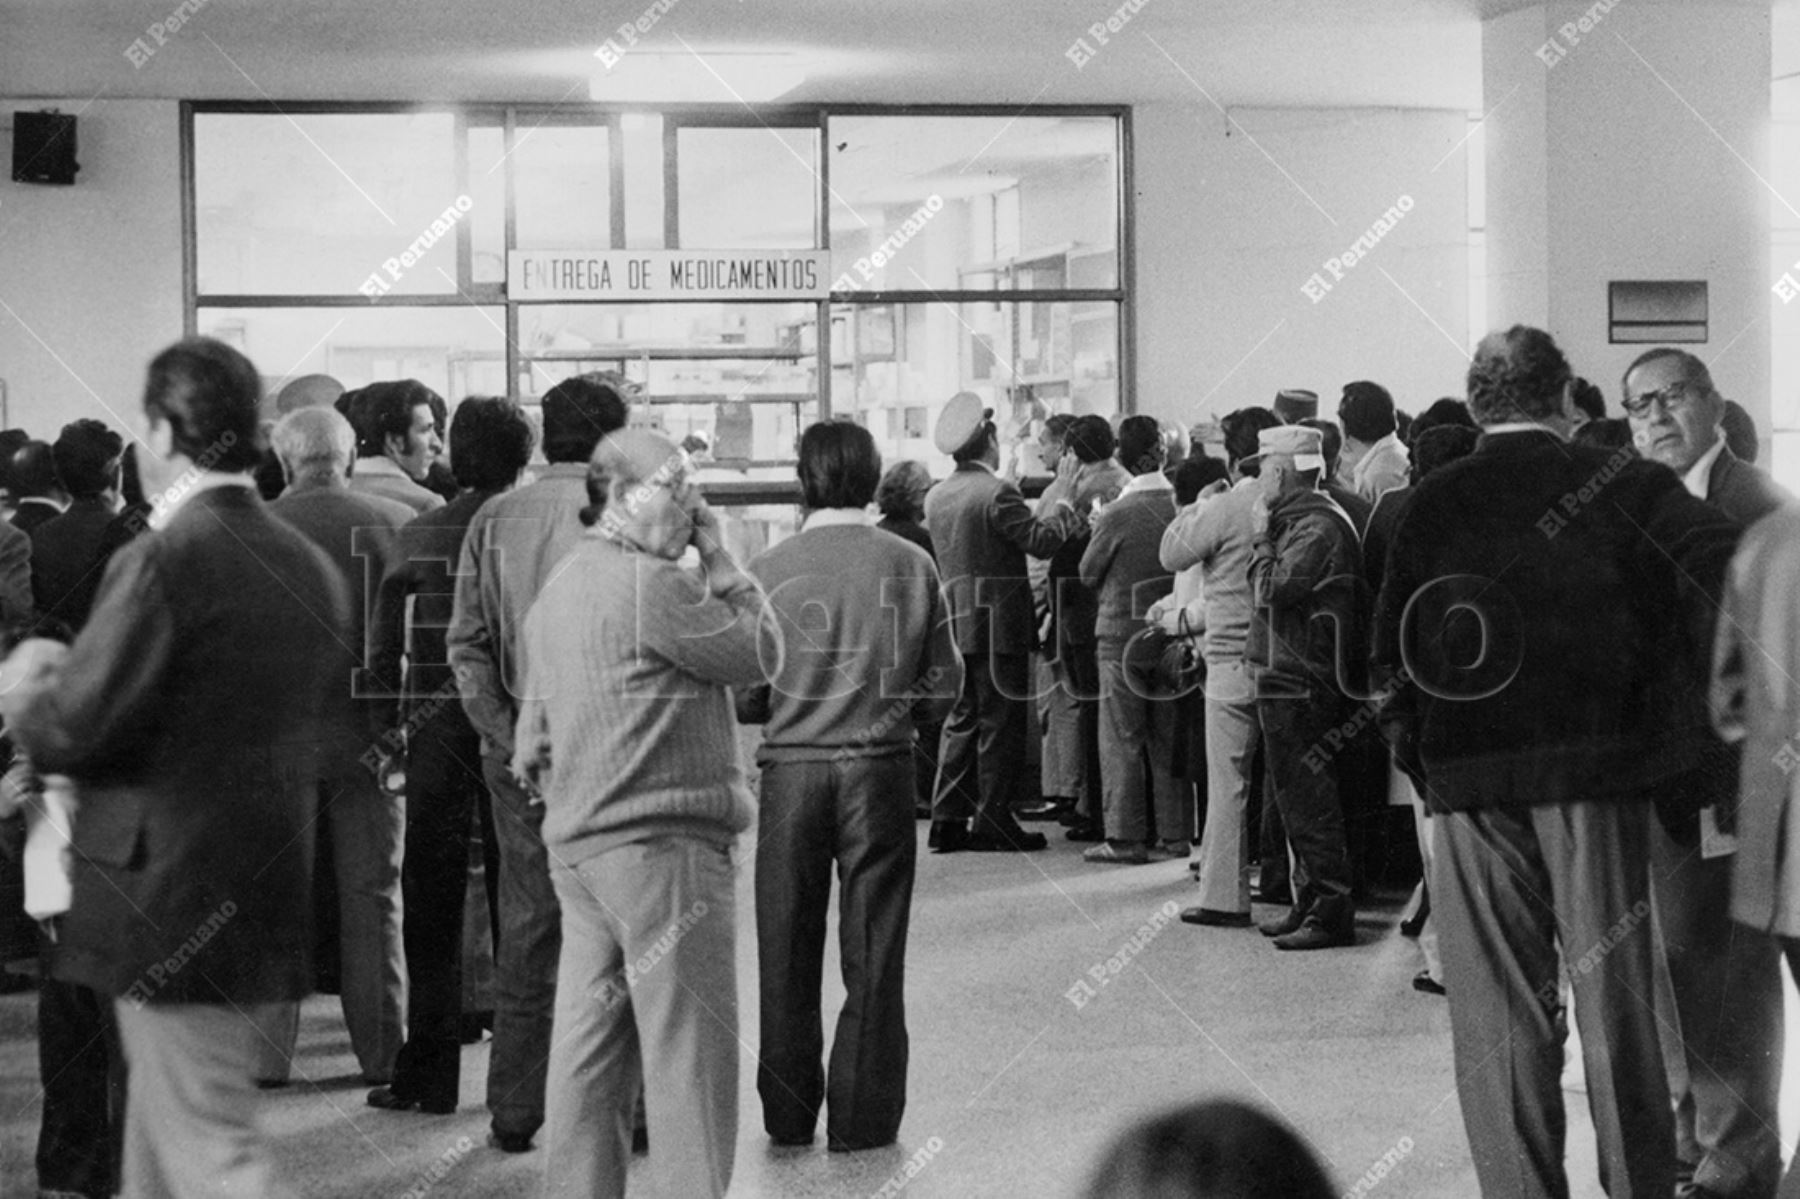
(159, 439)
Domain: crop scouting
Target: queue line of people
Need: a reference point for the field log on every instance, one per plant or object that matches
(1532, 619)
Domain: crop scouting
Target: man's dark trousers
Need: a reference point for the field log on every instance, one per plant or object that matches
(82, 1067)
(526, 957)
(983, 754)
(855, 813)
(1306, 795)
(1727, 983)
(444, 790)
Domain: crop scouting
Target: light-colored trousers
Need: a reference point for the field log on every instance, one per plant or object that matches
(1231, 734)
(1060, 773)
(648, 967)
(368, 835)
(193, 1118)
(1512, 885)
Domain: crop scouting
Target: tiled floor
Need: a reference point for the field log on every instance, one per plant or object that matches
(1013, 1089)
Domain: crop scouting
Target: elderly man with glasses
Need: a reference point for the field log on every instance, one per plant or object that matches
(1727, 982)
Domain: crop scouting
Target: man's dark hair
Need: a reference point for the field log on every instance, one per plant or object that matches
(1140, 444)
(581, 410)
(34, 471)
(1692, 368)
(1517, 375)
(491, 440)
(11, 442)
(131, 480)
(839, 466)
(1194, 475)
(1440, 446)
(1241, 429)
(1447, 411)
(1213, 1148)
(1740, 432)
(383, 410)
(1331, 442)
(1367, 411)
(1588, 398)
(1058, 425)
(901, 494)
(1091, 439)
(210, 396)
(1607, 433)
(87, 458)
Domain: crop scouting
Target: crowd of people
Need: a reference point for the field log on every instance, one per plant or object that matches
(272, 686)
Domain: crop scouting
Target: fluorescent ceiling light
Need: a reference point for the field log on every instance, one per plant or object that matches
(658, 77)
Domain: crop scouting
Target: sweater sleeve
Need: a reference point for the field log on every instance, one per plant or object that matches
(731, 639)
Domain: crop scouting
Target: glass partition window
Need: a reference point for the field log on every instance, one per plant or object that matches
(317, 203)
(753, 187)
(894, 366)
(375, 244)
(562, 189)
(456, 352)
(968, 203)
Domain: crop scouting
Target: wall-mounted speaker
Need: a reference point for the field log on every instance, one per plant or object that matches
(43, 148)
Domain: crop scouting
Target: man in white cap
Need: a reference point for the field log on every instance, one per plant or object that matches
(983, 530)
(1304, 560)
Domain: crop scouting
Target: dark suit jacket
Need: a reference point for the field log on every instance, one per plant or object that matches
(1742, 491)
(1551, 594)
(16, 603)
(28, 514)
(983, 529)
(357, 534)
(187, 714)
(65, 565)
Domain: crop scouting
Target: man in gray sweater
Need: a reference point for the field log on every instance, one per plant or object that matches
(869, 659)
(625, 729)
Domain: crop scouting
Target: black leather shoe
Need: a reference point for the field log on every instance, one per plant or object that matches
(1282, 925)
(1000, 839)
(1422, 981)
(1086, 832)
(1315, 933)
(948, 836)
(797, 1141)
(510, 1142)
(1214, 918)
(640, 1141)
(390, 1100)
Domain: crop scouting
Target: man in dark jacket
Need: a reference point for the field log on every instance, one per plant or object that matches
(1541, 596)
(983, 529)
(186, 712)
(1727, 980)
(1303, 575)
(63, 549)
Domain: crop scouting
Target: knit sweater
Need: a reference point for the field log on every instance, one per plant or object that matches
(626, 662)
(869, 652)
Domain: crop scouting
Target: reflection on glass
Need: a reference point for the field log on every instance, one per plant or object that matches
(748, 188)
(642, 133)
(562, 185)
(743, 374)
(894, 366)
(456, 352)
(487, 187)
(323, 203)
(973, 202)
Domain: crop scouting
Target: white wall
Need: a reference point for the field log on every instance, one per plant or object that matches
(1225, 240)
(1644, 177)
(91, 273)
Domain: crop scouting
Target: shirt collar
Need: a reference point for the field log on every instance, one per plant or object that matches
(1151, 480)
(165, 504)
(378, 465)
(984, 466)
(42, 499)
(1520, 426)
(1700, 474)
(825, 518)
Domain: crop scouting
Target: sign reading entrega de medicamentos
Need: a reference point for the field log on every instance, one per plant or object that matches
(668, 274)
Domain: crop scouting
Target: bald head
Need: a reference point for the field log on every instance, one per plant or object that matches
(315, 445)
(308, 391)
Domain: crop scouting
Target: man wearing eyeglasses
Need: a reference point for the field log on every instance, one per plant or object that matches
(1727, 982)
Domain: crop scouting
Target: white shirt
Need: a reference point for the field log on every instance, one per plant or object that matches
(824, 518)
(1700, 474)
(1521, 426)
(1152, 480)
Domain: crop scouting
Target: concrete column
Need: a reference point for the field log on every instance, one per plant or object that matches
(1628, 140)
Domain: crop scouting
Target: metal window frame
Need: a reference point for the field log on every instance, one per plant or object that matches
(511, 117)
